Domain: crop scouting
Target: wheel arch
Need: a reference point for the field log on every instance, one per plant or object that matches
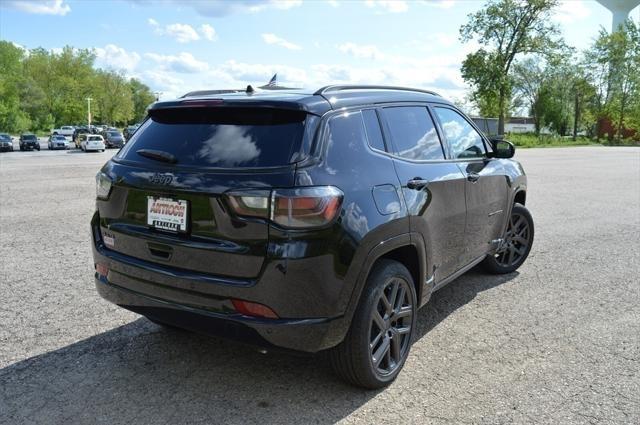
(406, 249)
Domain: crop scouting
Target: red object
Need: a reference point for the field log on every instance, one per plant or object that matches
(248, 308)
(102, 269)
(608, 128)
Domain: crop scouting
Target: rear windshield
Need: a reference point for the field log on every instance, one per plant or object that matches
(29, 137)
(220, 137)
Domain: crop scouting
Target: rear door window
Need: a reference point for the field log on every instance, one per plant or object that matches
(372, 125)
(220, 137)
(413, 133)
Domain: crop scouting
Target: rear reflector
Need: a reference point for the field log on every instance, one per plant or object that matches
(248, 308)
(102, 269)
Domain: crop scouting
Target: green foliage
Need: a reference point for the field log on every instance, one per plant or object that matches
(530, 140)
(40, 90)
(505, 29)
(612, 64)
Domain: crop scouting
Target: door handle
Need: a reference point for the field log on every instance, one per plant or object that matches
(473, 177)
(417, 183)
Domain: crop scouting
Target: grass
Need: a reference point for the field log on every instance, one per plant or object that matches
(530, 140)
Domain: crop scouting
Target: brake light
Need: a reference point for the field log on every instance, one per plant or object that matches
(297, 208)
(251, 309)
(306, 206)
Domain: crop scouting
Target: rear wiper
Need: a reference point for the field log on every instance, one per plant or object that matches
(157, 155)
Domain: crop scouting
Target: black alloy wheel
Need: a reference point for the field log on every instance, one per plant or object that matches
(390, 326)
(377, 344)
(516, 243)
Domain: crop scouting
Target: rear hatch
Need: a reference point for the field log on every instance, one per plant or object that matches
(173, 184)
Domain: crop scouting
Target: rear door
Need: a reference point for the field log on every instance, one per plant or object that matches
(486, 184)
(174, 196)
(433, 187)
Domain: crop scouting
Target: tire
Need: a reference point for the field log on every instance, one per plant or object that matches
(517, 243)
(352, 359)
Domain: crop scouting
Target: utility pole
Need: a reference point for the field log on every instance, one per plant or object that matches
(89, 111)
(157, 93)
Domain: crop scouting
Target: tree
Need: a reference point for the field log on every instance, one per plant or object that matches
(142, 98)
(113, 98)
(612, 65)
(12, 118)
(505, 29)
(528, 81)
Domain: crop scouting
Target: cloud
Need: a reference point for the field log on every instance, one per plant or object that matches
(39, 7)
(274, 39)
(368, 51)
(182, 33)
(182, 62)
(440, 4)
(219, 8)
(208, 32)
(112, 56)
(568, 12)
(392, 6)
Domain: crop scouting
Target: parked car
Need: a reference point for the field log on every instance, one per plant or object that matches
(306, 220)
(29, 142)
(129, 130)
(57, 142)
(6, 144)
(78, 132)
(65, 130)
(92, 142)
(113, 139)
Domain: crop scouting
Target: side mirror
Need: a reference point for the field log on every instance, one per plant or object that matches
(502, 149)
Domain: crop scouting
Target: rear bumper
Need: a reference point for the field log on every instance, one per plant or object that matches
(202, 302)
(306, 335)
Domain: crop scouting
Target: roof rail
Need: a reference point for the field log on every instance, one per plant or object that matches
(210, 92)
(338, 87)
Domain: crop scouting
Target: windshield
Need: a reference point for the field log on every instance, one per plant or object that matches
(59, 138)
(29, 137)
(221, 137)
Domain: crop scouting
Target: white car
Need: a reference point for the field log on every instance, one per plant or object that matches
(92, 142)
(65, 130)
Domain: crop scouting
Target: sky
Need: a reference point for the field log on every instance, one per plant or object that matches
(176, 46)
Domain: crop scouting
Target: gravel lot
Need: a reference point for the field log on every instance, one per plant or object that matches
(558, 342)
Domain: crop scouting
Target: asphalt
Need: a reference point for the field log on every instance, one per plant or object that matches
(556, 342)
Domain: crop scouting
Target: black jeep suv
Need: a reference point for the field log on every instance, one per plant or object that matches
(309, 221)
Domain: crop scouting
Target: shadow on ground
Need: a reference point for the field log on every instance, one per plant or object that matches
(142, 373)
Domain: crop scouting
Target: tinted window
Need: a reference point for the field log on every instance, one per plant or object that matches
(464, 140)
(347, 130)
(413, 132)
(372, 125)
(220, 137)
(29, 137)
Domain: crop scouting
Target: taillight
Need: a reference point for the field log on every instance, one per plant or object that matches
(249, 308)
(297, 208)
(305, 206)
(103, 186)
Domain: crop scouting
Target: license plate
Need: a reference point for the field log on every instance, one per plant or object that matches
(167, 214)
